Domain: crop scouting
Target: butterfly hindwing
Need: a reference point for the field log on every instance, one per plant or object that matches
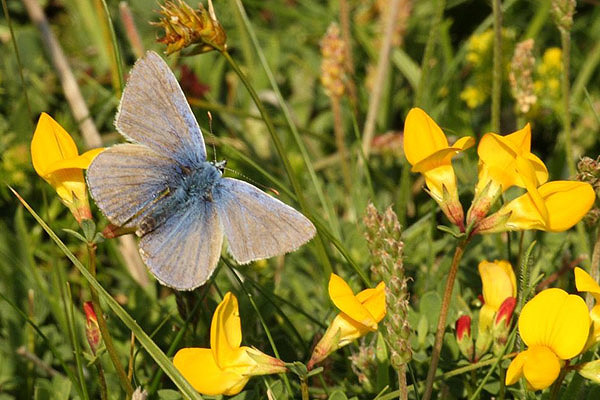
(153, 111)
(257, 225)
(183, 251)
(127, 180)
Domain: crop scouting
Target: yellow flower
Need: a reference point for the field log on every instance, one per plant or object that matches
(585, 283)
(554, 325)
(427, 150)
(226, 367)
(56, 159)
(473, 96)
(360, 315)
(554, 207)
(498, 283)
(504, 161)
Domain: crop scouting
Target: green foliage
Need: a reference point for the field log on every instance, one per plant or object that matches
(43, 348)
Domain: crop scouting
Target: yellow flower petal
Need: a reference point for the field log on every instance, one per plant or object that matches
(422, 136)
(566, 203)
(198, 366)
(498, 282)
(226, 331)
(541, 367)
(342, 296)
(498, 156)
(585, 283)
(50, 144)
(557, 320)
(374, 301)
(80, 162)
(515, 369)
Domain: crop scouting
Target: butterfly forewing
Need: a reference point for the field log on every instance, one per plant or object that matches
(183, 252)
(127, 180)
(257, 225)
(154, 112)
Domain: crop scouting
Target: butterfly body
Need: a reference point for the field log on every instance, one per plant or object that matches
(180, 205)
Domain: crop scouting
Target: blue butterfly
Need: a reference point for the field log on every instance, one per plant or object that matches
(161, 184)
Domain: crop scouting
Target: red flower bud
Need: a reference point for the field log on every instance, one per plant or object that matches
(92, 329)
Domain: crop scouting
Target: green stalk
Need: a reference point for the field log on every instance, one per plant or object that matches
(428, 53)
(286, 163)
(262, 322)
(153, 350)
(441, 327)
(497, 71)
(75, 342)
(14, 42)
(565, 40)
(332, 216)
(108, 342)
(117, 66)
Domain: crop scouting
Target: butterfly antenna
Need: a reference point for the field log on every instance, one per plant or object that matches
(247, 178)
(213, 135)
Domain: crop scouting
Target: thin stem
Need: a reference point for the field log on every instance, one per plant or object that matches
(108, 343)
(282, 155)
(497, 71)
(65, 74)
(75, 342)
(340, 140)
(441, 327)
(304, 389)
(102, 381)
(14, 42)
(349, 64)
(428, 53)
(383, 64)
(402, 388)
(558, 383)
(262, 321)
(565, 40)
(594, 268)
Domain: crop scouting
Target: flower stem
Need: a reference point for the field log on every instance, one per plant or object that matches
(282, 155)
(497, 71)
(565, 40)
(402, 387)
(304, 389)
(557, 384)
(380, 76)
(338, 127)
(594, 268)
(108, 343)
(432, 38)
(441, 327)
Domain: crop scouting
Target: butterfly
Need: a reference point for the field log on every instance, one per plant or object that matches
(161, 184)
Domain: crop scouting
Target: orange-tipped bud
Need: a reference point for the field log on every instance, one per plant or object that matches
(92, 329)
(463, 337)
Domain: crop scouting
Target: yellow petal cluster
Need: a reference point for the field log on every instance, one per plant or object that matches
(56, 159)
(427, 150)
(359, 315)
(585, 283)
(554, 325)
(554, 207)
(504, 161)
(498, 283)
(227, 366)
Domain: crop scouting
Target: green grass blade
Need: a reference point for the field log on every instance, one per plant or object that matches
(288, 117)
(153, 350)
